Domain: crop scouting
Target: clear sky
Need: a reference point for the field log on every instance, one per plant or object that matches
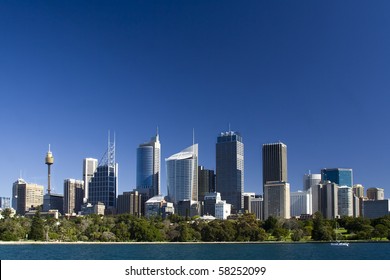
(312, 74)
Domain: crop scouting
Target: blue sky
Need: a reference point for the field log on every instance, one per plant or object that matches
(312, 74)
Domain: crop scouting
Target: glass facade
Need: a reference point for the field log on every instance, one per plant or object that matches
(339, 176)
(230, 169)
(103, 186)
(182, 175)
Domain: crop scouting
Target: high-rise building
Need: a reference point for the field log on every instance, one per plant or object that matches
(182, 175)
(345, 201)
(339, 176)
(277, 199)
(257, 207)
(89, 168)
(130, 203)
(5, 202)
(73, 196)
(310, 180)
(149, 167)
(358, 190)
(329, 200)
(274, 162)
(230, 169)
(27, 196)
(103, 186)
(376, 193)
(206, 182)
(300, 203)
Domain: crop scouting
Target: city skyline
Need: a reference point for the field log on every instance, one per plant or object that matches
(313, 75)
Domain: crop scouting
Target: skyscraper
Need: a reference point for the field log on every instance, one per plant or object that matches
(206, 182)
(149, 167)
(103, 186)
(73, 196)
(310, 180)
(27, 196)
(182, 175)
(230, 169)
(274, 162)
(339, 176)
(89, 168)
(376, 193)
(277, 199)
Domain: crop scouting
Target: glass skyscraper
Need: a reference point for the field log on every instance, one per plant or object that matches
(230, 169)
(182, 175)
(148, 167)
(339, 176)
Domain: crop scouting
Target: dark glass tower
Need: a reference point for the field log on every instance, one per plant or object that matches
(230, 169)
(339, 176)
(274, 163)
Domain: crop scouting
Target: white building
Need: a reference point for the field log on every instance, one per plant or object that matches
(277, 199)
(222, 210)
(300, 203)
(310, 180)
(89, 168)
(182, 175)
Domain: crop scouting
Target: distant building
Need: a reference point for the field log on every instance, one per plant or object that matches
(300, 203)
(222, 210)
(158, 206)
(230, 169)
(53, 201)
(373, 209)
(73, 196)
(310, 180)
(358, 190)
(345, 201)
(206, 182)
(339, 176)
(274, 156)
(376, 193)
(149, 167)
(130, 203)
(27, 196)
(89, 167)
(210, 200)
(182, 175)
(277, 200)
(5, 202)
(329, 200)
(89, 209)
(189, 208)
(103, 187)
(257, 206)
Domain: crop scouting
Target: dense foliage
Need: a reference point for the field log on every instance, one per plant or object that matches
(122, 228)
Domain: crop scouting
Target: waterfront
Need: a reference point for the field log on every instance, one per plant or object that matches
(195, 251)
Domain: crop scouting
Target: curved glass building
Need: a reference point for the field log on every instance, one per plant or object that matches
(182, 175)
(148, 166)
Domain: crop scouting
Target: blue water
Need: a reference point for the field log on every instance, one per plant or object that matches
(182, 251)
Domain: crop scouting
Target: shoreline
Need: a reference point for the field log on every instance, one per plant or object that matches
(179, 243)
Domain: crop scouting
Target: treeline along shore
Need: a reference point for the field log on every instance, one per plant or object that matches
(245, 228)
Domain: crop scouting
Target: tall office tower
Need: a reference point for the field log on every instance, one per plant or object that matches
(89, 168)
(5, 202)
(149, 167)
(27, 196)
(345, 201)
(206, 182)
(130, 203)
(329, 200)
(300, 203)
(310, 180)
(230, 169)
(274, 162)
(73, 196)
(277, 199)
(182, 175)
(103, 186)
(339, 176)
(358, 190)
(376, 193)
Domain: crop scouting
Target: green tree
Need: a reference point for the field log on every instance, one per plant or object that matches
(37, 231)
